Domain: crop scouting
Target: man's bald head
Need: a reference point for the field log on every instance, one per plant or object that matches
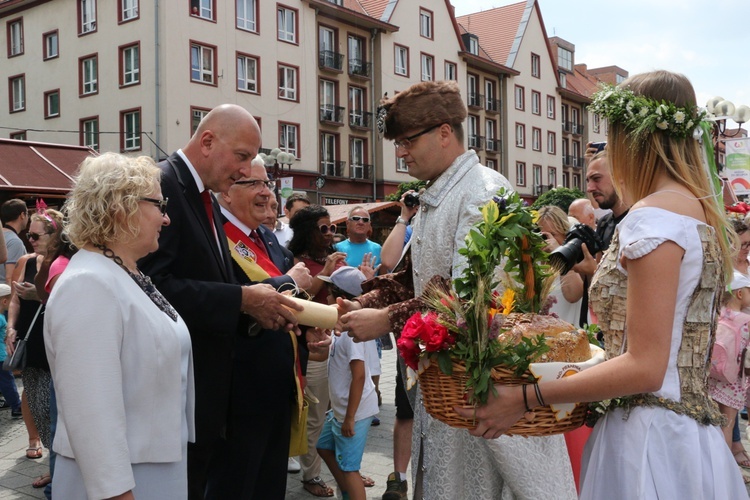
(583, 210)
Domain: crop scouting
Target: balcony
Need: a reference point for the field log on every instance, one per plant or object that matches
(577, 129)
(332, 168)
(566, 127)
(492, 145)
(359, 68)
(360, 171)
(492, 105)
(332, 114)
(476, 142)
(573, 161)
(328, 59)
(476, 100)
(542, 188)
(360, 120)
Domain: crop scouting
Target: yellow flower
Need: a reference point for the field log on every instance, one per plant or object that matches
(508, 301)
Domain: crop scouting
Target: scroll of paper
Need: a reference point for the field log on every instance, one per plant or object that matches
(315, 314)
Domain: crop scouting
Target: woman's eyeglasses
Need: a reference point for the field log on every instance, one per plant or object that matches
(357, 218)
(324, 229)
(160, 204)
(35, 236)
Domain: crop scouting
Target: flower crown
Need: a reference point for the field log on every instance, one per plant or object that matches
(641, 115)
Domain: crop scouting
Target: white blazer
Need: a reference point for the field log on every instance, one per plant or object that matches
(115, 359)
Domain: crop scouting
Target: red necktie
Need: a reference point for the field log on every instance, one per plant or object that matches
(256, 239)
(208, 205)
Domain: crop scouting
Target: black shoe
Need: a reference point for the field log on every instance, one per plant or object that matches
(16, 413)
(395, 489)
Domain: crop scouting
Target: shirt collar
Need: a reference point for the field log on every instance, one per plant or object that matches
(193, 172)
(234, 220)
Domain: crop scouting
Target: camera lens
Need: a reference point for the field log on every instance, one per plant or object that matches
(564, 257)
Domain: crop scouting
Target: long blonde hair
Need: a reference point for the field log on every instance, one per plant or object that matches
(637, 164)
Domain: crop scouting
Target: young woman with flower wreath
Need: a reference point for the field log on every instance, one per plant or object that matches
(656, 295)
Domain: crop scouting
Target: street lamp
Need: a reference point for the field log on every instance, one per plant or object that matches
(719, 111)
(274, 162)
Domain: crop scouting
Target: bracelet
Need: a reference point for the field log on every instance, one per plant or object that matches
(529, 413)
(539, 394)
(401, 220)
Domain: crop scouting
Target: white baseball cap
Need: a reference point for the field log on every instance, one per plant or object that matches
(739, 280)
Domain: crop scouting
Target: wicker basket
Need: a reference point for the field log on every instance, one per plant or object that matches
(441, 393)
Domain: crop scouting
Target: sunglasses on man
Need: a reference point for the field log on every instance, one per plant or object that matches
(357, 218)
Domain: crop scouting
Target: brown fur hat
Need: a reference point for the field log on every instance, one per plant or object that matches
(422, 105)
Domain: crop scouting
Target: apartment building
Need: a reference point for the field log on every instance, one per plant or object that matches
(136, 77)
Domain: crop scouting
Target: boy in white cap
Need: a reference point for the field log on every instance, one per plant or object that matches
(354, 402)
(7, 382)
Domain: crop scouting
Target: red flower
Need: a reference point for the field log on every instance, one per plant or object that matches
(409, 351)
(435, 336)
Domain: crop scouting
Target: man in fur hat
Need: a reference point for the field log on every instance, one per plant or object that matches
(425, 123)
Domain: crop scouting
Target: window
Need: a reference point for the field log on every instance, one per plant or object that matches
(473, 45)
(357, 58)
(565, 58)
(287, 83)
(472, 82)
(552, 176)
(203, 8)
(520, 135)
(202, 59)
(18, 136)
(51, 45)
(550, 107)
(596, 123)
(537, 169)
(564, 117)
(89, 132)
(196, 115)
(357, 154)
(428, 67)
(287, 24)
(536, 102)
(472, 131)
(89, 72)
(535, 66)
(551, 143)
(492, 164)
(130, 132)
(401, 165)
(578, 161)
(489, 94)
(574, 114)
(619, 78)
(519, 98)
(565, 149)
(52, 103)
(577, 181)
(328, 101)
(17, 85)
(357, 107)
(288, 138)
(425, 23)
(86, 16)
(520, 173)
(128, 10)
(130, 65)
(566, 180)
(490, 133)
(15, 37)
(247, 15)
(401, 60)
(563, 80)
(451, 71)
(536, 139)
(328, 155)
(247, 73)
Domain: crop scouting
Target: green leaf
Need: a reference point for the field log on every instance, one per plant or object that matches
(445, 362)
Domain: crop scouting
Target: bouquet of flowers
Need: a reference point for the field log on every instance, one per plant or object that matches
(506, 273)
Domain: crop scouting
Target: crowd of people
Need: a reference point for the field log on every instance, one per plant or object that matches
(165, 358)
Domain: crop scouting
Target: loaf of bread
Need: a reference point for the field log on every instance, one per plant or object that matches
(566, 343)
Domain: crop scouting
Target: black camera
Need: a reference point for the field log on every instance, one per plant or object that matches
(570, 253)
(411, 200)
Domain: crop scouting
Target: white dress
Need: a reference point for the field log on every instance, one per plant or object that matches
(656, 452)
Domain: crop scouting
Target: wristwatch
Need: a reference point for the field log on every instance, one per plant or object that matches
(401, 220)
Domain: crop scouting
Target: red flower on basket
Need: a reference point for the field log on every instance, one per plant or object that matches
(423, 330)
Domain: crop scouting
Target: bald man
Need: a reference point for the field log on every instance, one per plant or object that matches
(192, 268)
(583, 211)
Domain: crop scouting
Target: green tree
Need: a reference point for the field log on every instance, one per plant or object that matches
(404, 187)
(560, 197)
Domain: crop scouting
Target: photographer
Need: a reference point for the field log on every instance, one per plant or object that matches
(393, 246)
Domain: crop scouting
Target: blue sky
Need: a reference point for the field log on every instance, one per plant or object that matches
(703, 39)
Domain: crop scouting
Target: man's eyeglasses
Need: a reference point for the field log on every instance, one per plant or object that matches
(325, 229)
(160, 204)
(407, 142)
(35, 236)
(257, 183)
(357, 218)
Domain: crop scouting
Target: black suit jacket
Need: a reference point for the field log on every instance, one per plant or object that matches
(264, 363)
(196, 276)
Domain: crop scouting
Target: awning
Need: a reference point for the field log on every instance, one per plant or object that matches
(29, 169)
(339, 213)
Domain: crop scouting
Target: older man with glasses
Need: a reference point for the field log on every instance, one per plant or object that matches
(358, 248)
